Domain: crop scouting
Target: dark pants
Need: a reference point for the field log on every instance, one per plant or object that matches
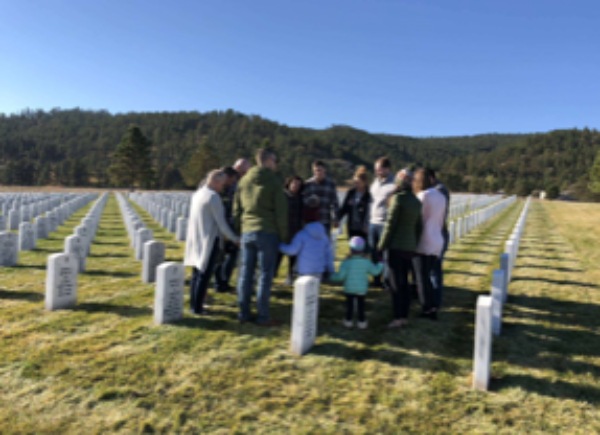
(375, 232)
(428, 288)
(438, 274)
(400, 264)
(224, 269)
(360, 306)
(200, 281)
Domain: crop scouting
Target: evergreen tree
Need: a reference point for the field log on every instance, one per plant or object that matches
(594, 184)
(132, 161)
(202, 162)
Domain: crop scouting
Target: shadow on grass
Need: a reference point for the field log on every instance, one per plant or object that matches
(30, 266)
(109, 255)
(552, 268)
(121, 310)
(21, 295)
(543, 387)
(565, 282)
(111, 273)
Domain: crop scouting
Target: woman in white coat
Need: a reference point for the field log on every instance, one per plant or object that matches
(205, 227)
(431, 243)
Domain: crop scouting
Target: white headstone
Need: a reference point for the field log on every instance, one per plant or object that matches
(14, 218)
(497, 300)
(142, 235)
(9, 253)
(482, 357)
(41, 227)
(61, 281)
(26, 237)
(305, 314)
(74, 246)
(168, 298)
(181, 229)
(505, 266)
(154, 254)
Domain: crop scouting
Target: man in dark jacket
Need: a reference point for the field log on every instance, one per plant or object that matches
(324, 188)
(228, 259)
(261, 216)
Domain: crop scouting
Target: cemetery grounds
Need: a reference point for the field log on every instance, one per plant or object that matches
(104, 367)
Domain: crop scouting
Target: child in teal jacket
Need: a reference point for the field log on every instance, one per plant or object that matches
(354, 273)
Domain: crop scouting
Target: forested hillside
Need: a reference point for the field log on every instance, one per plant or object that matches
(75, 147)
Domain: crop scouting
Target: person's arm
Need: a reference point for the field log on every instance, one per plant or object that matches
(294, 247)
(281, 213)
(345, 206)
(375, 269)
(218, 213)
(390, 223)
(335, 203)
(237, 211)
(341, 274)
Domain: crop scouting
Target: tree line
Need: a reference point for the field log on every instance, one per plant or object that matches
(174, 150)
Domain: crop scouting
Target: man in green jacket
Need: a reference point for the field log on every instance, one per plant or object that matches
(261, 216)
(400, 238)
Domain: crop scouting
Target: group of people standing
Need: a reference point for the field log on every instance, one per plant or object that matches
(396, 229)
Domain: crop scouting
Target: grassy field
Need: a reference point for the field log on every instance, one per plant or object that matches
(104, 367)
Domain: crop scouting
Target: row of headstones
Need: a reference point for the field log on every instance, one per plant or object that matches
(29, 234)
(489, 309)
(170, 213)
(464, 225)
(147, 250)
(80, 242)
(462, 204)
(18, 210)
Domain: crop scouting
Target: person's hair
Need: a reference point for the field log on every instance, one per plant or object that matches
(263, 155)
(421, 181)
(430, 172)
(384, 162)
(229, 171)
(361, 175)
(241, 162)
(289, 180)
(319, 163)
(404, 179)
(214, 175)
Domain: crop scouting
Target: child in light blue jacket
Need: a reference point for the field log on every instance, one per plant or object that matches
(354, 273)
(312, 246)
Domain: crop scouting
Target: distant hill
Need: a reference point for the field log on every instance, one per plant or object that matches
(74, 147)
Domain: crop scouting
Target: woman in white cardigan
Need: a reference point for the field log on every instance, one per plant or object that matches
(207, 222)
(431, 242)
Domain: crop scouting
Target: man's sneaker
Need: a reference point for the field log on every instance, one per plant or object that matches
(363, 325)
(348, 323)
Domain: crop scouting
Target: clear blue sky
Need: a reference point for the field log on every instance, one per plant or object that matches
(415, 67)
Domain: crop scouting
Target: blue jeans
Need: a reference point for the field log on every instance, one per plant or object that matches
(258, 248)
(437, 273)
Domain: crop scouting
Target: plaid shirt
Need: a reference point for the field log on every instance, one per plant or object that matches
(328, 198)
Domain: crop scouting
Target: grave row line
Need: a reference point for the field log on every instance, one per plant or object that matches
(462, 226)
(147, 250)
(464, 204)
(170, 211)
(29, 233)
(489, 309)
(62, 268)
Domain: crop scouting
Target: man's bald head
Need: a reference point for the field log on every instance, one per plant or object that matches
(241, 166)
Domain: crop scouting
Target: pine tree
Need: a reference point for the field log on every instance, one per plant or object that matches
(594, 184)
(132, 161)
(201, 163)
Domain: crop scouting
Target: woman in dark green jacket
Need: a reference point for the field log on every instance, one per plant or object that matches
(399, 240)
